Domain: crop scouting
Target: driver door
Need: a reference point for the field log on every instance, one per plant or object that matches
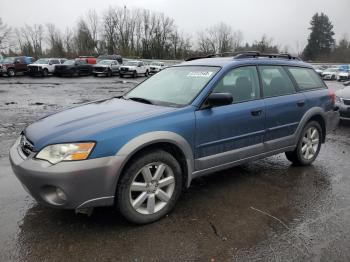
(232, 132)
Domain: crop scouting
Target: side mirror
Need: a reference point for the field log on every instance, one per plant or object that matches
(218, 99)
(16, 61)
(50, 63)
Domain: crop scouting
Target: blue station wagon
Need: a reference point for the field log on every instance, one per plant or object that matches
(139, 151)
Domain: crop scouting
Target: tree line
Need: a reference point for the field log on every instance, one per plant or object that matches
(141, 33)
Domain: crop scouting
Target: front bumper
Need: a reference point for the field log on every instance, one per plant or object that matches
(344, 111)
(87, 183)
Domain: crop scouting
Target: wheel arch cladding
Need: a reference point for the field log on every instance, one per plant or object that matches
(313, 114)
(165, 140)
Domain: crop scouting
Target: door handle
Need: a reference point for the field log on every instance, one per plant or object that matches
(301, 103)
(256, 112)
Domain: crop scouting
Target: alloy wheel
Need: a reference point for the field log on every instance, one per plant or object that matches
(152, 188)
(310, 143)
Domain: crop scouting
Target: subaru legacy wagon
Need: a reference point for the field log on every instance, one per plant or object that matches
(139, 151)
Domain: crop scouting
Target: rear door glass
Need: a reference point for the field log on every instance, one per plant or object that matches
(306, 78)
(276, 81)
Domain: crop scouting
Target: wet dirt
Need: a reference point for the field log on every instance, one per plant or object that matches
(267, 210)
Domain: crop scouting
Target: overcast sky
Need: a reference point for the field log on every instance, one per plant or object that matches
(286, 21)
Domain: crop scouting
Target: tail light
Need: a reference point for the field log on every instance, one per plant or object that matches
(331, 95)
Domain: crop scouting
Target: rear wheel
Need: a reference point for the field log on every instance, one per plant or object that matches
(149, 187)
(11, 72)
(309, 145)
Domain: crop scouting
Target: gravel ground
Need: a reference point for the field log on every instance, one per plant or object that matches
(266, 210)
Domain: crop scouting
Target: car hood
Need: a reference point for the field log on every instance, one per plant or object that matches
(132, 67)
(82, 123)
(38, 65)
(97, 65)
(344, 92)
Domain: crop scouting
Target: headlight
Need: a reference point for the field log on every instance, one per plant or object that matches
(338, 99)
(66, 152)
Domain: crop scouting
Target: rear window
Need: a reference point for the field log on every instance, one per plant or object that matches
(306, 78)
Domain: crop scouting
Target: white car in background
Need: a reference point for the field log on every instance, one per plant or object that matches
(134, 69)
(155, 67)
(44, 66)
(343, 75)
(330, 73)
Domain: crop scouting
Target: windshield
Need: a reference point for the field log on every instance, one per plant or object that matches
(156, 64)
(105, 62)
(131, 63)
(42, 61)
(174, 86)
(8, 60)
(69, 62)
(332, 70)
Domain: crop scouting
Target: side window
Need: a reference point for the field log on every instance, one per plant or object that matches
(306, 78)
(242, 83)
(55, 62)
(276, 81)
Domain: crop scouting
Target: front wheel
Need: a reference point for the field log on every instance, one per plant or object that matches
(45, 72)
(147, 73)
(149, 187)
(309, 145)
(134, 75)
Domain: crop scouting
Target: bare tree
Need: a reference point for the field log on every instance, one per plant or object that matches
(5, 34)
(55, 41)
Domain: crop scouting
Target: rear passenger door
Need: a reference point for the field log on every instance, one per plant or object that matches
(229, 133)
(284, 107)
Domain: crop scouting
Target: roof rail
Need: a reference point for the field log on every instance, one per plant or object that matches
(255, 54)
(247, 54)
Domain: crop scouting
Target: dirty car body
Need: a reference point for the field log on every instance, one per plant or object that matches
(199, 117)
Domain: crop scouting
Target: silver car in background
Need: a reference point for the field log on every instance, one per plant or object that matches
(106, 68)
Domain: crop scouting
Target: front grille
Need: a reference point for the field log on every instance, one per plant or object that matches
(99, 69)
(26, 146)
(124, 69)
(34, 68)
(346, 102)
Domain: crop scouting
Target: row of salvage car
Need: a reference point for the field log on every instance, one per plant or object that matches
(334, 72)
(105, 65)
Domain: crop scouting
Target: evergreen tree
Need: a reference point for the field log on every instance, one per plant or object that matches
(320, 41)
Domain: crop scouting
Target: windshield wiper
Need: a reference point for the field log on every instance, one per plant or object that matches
(140, 99)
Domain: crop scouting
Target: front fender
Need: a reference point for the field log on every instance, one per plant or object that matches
(144, 140)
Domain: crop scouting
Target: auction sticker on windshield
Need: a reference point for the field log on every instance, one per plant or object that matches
(200, 74)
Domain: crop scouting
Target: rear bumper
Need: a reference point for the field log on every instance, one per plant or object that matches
(87, 183)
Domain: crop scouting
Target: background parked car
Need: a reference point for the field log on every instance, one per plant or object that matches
(106, 67)
(319, 69)
(343, 102)
(343, 75)
(13, 65)
(155, 67)
(111, 57)
(89, 59)
(74, 67)
(134, 68)
(330, 73)
(44, 66)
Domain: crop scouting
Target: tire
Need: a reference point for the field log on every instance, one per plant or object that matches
(163, 197)
(333, 77)
(308, 146)
(134, 75)
(109, 73)
(121, 75)
(147, 73)
(45, 72)
(72, 72)
(11, 72)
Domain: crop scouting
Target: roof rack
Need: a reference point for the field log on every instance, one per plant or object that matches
(247, 54)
